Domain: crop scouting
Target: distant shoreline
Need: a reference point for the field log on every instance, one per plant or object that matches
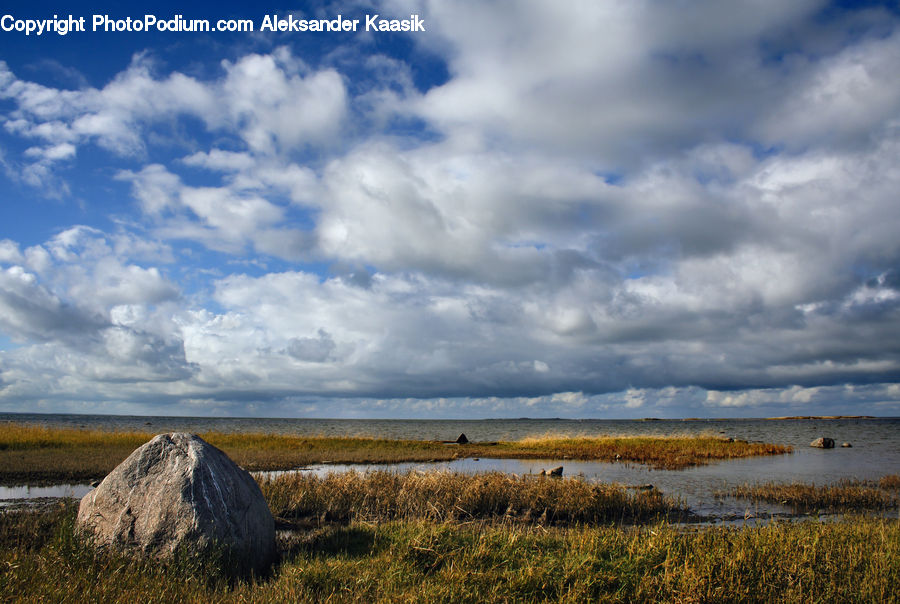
(15, 417)
(823, 417)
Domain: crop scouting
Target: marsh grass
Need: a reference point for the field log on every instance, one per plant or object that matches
(40, 455)
(891, 481)
(420, 561)
(659, 452)
(454, 497)
(840, 497)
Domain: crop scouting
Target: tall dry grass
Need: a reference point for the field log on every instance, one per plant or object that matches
(661, 452)
(841, 497)
(451, 496)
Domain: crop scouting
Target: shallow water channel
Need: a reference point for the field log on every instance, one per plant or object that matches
(12, 495)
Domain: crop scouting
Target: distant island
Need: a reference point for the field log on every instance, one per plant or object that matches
(824, 417)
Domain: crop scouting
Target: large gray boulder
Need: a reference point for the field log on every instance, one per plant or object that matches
(179, 492)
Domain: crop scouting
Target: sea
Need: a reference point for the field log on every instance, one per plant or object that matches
(875, 451)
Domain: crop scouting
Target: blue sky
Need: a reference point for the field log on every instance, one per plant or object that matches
(584, 209)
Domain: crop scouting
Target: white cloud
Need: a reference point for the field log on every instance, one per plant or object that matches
(263, 97)
(224, 218)
(842, 97)
(278, 111)
(620, 82)
(9, 252)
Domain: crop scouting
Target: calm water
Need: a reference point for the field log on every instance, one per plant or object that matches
(875, 451)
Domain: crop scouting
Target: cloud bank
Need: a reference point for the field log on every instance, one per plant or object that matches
(585, 209)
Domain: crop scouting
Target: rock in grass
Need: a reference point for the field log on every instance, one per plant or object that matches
(179, 493)
(823, 443)
(462, 440)
(556, 472)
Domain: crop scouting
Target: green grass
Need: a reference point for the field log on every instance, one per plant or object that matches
(40, 455)
(841, 497)
(42, 560)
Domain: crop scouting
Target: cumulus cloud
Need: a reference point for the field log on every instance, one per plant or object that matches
(264, 99)
(225, 218)
(277, 110)
(84, 316)
(622, 82)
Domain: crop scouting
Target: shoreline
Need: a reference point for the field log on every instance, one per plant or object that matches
(35, 455)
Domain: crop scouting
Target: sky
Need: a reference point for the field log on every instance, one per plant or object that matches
(529, 208)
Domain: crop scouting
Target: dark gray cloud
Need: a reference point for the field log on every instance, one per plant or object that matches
(314, 350)
(29, 311)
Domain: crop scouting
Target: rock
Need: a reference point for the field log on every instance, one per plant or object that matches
(462, 440)
(556, 471)
(846, 445)
(179, 492)
(823, 443)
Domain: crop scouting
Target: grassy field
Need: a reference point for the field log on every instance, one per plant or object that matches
(37, 455)
(858, 560)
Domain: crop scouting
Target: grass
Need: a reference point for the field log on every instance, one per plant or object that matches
(659, 452)
(841, 497)
(449, 496)
(40, 455)
(41, 560)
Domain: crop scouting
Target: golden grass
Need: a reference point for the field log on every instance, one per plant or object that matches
(451, 496)
(891, 481)
(660, 452)
(34, 455)
(841, 497)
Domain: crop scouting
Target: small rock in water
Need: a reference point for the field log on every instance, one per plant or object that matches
(556, 471)
(462, 440)
(846, 445)
(823, 443)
